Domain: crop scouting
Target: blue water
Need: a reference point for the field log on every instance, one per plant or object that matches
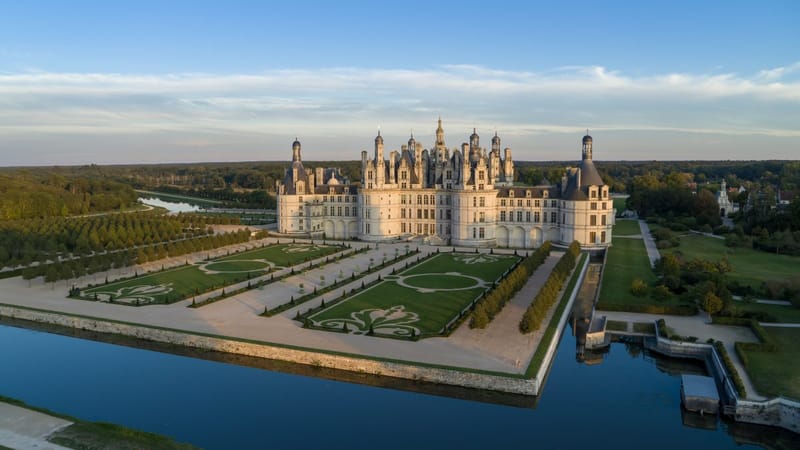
(625, 402)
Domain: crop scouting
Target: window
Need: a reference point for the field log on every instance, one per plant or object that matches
(448, 215)
(366, 228)
(481, 233)
(369, 175)
(419, 213)
(482, 202)
(592, 220)
(519, 216)
(603, 219)
(528, 202)
(553, 204)
(474, 201)
(403, 227)
(502, 202)
(426, 213)
(300, 199)
(403, 174)
(593, 193)
(425, 199)
(433, 199)
(419, 228)
(481, 175)
(346, 210)
(324, 198)
(602, 236)
(593, 206)
(502, 216)
(519, 203)
(592, 237)
(419, 199)
(527, 216)
(553, 217)
(536, 204)
(332, 210)
(474, 233)
(536, 217)
(482, 216)
(449, 174)
(426, 228)
(605, 193)
(480, 186)
(339, 212)
(433, 213)
(544, 218)
(402, 213)
(355, 212)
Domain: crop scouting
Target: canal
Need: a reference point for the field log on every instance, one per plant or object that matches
(625, 398)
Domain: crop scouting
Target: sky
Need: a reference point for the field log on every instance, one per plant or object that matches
(111, 82)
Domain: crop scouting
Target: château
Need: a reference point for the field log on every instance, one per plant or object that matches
(465, 196)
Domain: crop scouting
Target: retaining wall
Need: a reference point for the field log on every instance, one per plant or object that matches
(408, 371)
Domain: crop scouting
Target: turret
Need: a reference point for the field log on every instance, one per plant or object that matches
(496, 143)
(379, 147)
(474, 146)
(296, 151)
(587, 147)
(440, 136)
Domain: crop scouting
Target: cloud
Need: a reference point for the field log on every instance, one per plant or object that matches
(351, 101)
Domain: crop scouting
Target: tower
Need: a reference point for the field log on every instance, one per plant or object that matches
(474, 146)
(496, 143)
(587, 147)
(296, 151)
(440, 136)
(378, 147)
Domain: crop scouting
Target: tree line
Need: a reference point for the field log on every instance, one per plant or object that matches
(25, 241)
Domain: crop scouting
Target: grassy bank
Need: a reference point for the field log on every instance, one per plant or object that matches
(95, 435)
(777, 372)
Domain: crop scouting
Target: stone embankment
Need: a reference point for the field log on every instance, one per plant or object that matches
(398, 369)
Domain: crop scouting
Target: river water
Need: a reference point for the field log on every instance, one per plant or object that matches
(629, 400)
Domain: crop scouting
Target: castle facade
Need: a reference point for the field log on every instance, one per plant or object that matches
(463, 196)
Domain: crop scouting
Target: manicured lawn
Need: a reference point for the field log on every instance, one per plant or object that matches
(619, 204)
(749, 266)
(177, 284)
(777, 373)
(626, 227)
(780, 313)
(627, 260)
(644, 327)
(616, 325)
(423, 298)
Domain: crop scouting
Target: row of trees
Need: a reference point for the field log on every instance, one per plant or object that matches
(33, 193)
(494, 301)
(101, 262)
(38, 240)
(548, 293)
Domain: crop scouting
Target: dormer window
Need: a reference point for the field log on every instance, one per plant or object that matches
(528, 194)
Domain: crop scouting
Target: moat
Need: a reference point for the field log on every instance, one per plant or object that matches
(630, 397)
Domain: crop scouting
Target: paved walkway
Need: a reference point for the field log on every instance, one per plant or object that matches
(22, 428)
(649, 243)
(780, 325)
(699, 327)
(502, 336)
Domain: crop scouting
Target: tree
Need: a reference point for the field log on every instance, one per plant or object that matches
(638, 287)
(712, 303)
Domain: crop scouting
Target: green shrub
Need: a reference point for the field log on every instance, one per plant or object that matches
(726, 359)
(638, 287)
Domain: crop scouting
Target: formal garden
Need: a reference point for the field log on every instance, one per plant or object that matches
(418, 302)
(172, 285)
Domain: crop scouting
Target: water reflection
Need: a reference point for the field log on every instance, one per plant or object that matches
(172, 207)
